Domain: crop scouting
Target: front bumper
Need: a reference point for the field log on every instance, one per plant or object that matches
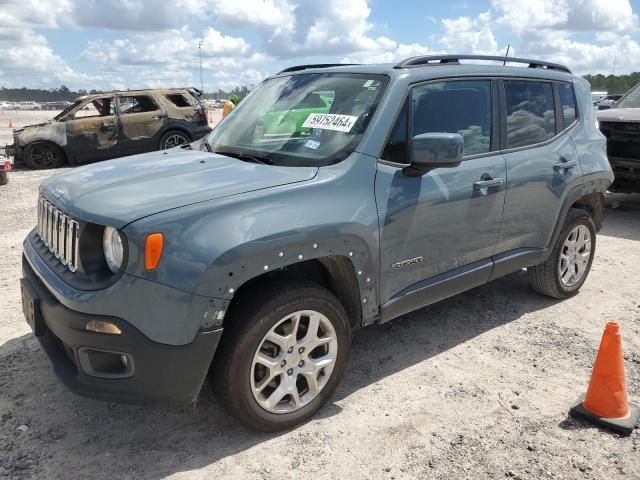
(12, 151)
(155, 371)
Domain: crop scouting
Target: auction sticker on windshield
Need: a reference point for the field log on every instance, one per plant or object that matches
(330, 121)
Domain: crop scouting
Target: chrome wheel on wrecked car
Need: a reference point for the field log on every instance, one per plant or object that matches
(574, 256)
(294, 362)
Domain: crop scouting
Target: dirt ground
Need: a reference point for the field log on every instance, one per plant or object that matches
(476, 386)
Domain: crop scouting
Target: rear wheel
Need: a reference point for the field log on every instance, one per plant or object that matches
(568, 266)
(41, 155)
(4, 178)
(173, 138)
(282, 355)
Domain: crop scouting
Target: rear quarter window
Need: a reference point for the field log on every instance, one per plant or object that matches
(530, 112)
(181, 100)
(567, 103)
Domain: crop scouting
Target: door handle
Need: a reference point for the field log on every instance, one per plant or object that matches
(564, 165)
(488, 183)
(107, 126)
(156, 117)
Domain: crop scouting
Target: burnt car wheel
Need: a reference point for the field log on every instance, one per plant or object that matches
(173, 139)
(282, 355)
(41, 155)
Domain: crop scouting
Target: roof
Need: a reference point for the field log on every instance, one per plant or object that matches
(139, 91)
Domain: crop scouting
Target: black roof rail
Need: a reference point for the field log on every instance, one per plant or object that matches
(298, 68)
(425, 60)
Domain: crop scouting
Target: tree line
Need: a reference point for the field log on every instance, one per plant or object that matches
(609, 83)
(613, 83)
(64, 94)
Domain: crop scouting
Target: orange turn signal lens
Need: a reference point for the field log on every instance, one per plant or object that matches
(153, 250)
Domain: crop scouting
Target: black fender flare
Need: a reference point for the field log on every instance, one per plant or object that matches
(246, 262)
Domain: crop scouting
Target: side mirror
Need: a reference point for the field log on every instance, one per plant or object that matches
(428, 151)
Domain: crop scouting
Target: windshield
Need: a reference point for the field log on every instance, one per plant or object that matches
(301, 120)
(631, 99)
(67, 110)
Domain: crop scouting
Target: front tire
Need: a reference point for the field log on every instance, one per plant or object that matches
(43, 155)
(569, 264)
(283, 354)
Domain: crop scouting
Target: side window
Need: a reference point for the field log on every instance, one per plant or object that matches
(100, 107)
(530, 112)
(396, 148)
(461, 106)
(568, 103)
(137, 104)
(180, 100)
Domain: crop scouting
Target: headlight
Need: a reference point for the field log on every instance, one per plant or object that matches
(113, 249)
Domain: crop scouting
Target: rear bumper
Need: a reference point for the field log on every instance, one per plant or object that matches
(200, 132)
(154, 371)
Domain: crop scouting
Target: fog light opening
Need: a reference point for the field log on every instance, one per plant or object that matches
(102, 327)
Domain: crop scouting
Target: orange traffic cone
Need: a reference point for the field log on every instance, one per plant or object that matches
(10, 124)
(606, 402)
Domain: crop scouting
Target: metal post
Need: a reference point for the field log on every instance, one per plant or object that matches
(200, 55)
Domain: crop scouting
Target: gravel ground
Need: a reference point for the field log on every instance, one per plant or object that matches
(476, 386)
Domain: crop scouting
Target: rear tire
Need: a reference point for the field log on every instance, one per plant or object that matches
(253, 392)
(43, 155)
(173, 138)
(4, 178)
(569, 264)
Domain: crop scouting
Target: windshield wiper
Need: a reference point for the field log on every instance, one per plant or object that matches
(246, 157)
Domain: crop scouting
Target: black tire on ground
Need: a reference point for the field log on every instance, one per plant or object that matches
(173, 138)
(252, 317)
(42, 155)
(4, 178)
(545, 277)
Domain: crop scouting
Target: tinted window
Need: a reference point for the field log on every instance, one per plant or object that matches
(462, 107)
(530, 115)
(568, 102)
(137, 104)
(396, 148)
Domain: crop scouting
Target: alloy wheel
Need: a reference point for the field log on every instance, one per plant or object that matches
(294, 362)
(574, 256)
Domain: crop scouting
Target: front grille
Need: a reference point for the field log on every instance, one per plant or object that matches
(623, 139)
(59, 233)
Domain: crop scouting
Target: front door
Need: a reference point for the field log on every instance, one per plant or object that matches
(450, 217)
(92, 130)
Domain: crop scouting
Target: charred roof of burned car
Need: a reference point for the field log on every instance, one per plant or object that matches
(194, 91)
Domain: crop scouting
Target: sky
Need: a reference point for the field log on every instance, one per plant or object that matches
(118, 44)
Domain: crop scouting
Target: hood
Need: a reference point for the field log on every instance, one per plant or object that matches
(619, 115)
(118, 192)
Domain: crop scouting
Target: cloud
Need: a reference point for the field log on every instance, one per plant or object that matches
(470, 35)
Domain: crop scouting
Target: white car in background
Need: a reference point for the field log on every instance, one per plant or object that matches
(27, 106)
(6, 106)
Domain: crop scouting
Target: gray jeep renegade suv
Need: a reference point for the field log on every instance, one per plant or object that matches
(332, 198)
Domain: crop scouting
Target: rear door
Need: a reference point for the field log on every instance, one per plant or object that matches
(542, 164)
(140, 124)
(449, 218)
(92, 130)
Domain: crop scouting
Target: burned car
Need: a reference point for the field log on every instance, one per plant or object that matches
(113, 124)
(621, 126)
